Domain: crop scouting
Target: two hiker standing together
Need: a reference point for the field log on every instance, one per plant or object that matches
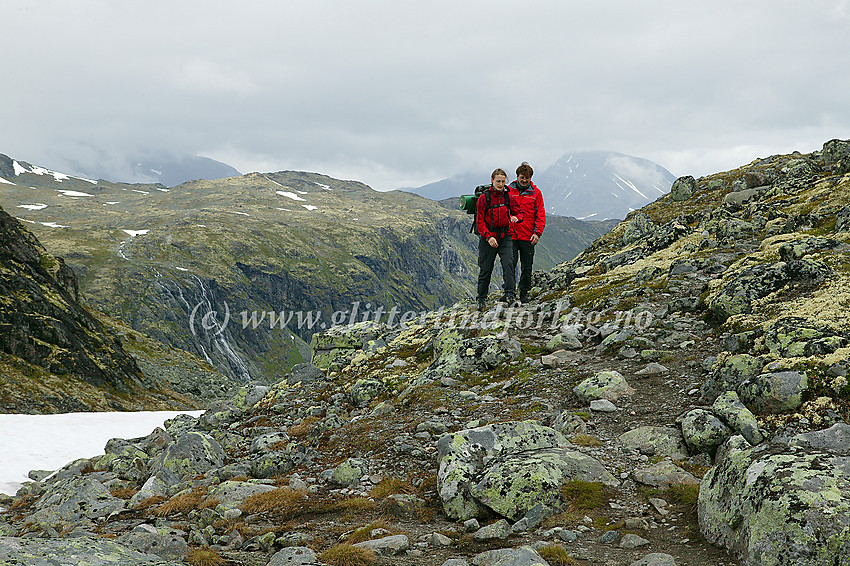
(509, 220)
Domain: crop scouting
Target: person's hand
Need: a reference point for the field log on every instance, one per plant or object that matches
(534, 239)
(492, 241)
(514, 219)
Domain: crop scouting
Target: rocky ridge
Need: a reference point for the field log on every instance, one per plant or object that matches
(676, 395)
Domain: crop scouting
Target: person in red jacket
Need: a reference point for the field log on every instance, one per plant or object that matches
(528, 231)
(494, 216)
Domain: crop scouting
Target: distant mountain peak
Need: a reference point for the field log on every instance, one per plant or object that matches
(583, 184)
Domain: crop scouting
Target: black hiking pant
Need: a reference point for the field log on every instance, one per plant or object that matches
(486, 261)
(523, 252)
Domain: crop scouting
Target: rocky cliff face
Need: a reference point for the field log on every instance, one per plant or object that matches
(677, 394)
(55, 355)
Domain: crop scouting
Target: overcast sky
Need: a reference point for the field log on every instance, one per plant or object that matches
(396, 93)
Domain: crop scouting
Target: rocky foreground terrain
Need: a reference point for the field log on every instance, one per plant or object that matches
(676, 395)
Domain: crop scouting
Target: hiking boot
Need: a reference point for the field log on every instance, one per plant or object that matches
(523, 298)
(482, 306)
(508, 297)
(511, 300)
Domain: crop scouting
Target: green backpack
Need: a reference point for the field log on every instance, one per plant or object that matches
(469, 203)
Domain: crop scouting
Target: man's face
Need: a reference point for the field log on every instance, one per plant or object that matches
(499, 182)
(523, 180)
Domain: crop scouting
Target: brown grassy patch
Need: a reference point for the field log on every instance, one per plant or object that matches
(348, 555)
(284, 502)
(391, 486)
(184, 502)
(585, 440)
(204, 557)
(354, 504)
(555, 555)
(150, 502)
(303, 428)
(123, 492)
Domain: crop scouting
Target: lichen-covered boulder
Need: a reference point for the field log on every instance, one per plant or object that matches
(350, 471)
(272, 463)
(608, 384)
(794, 337)
(88, 550)
(772, 505)
(75, 500)
(663, 475)
(338, 345)
(518, 482)
(522, 556)
(836, 156)
(126, 459)
(703, 431)
(466, 453)
(772, 393)
(740, 419)
(364, 390)
(683, 188)
(191, 454)
(790, 251)
(640, 227)
(759, 281)
(656, 441)
(734, 229)
(167, 543)
(729, 374)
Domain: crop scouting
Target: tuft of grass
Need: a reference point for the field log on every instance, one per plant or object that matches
(555, 555)
(365, 532)
(348, 555)
(585, 440)
(185, 502)
(391, 486)
(284, 502)
(204, 556)
(303, 428)
(584, 495)
(682, 494)
(123, 492)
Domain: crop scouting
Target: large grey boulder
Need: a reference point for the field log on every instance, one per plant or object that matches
(683, 188)
(836, 156)
(740, 419)
(519, 482)
(294, 556)
(761, 280)
(509, 468)
(728, 375)
(771, 393)
(608, 384)
(167, 543)
(656, 441)
(522, 556)
(193, 453)
(386, 546)
(774, 504)
(91, 551)
(704, 431)
(75, 500)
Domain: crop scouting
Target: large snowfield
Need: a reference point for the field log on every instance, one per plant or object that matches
(48, 442)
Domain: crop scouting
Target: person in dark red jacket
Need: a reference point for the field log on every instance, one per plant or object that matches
(494, 216)
(528, 231)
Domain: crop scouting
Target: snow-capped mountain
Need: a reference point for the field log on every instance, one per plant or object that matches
(588, 185)
(601, 184)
